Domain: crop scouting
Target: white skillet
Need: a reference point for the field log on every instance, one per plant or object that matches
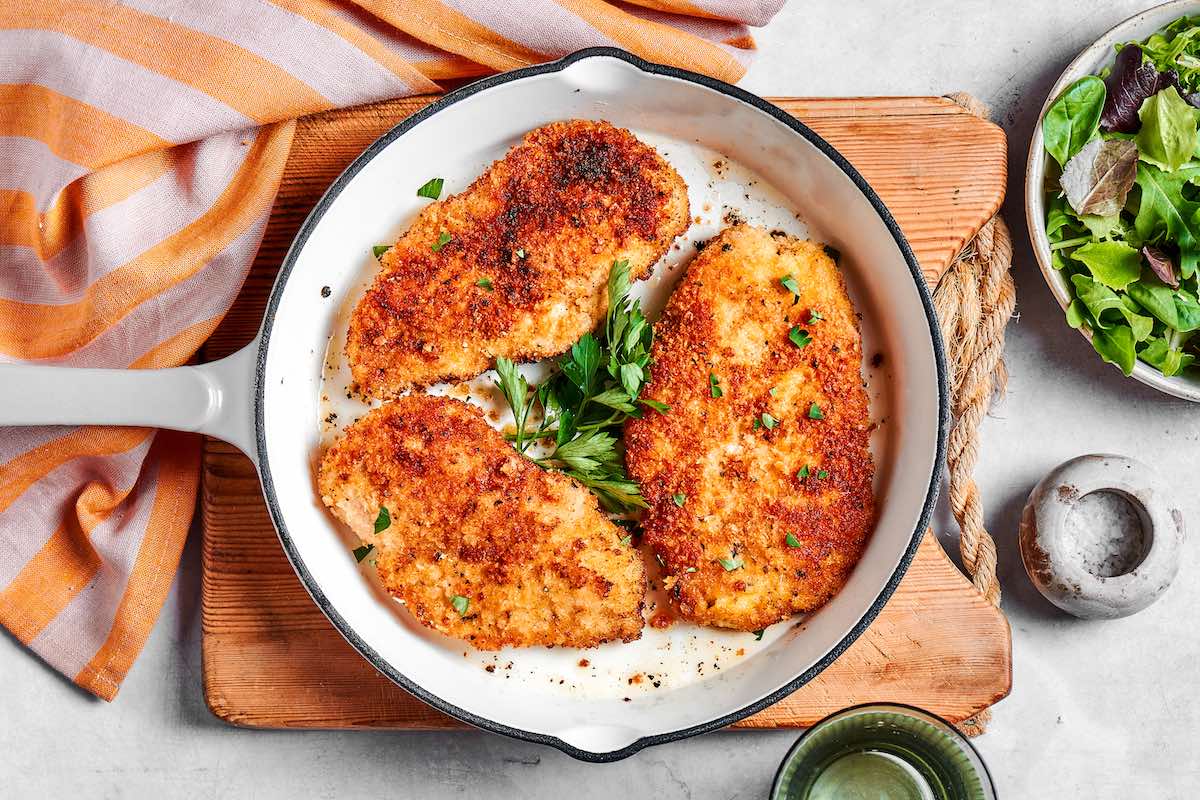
(265, 399)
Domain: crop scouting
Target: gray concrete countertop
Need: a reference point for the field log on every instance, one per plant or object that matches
(1098, 709)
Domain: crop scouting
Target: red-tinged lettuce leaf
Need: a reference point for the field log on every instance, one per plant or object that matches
(1098, 178)
(1128, 85)
(1162, 265)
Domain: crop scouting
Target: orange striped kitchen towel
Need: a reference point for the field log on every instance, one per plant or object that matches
(141, 145)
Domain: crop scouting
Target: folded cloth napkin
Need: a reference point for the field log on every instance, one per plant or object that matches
(141, 146)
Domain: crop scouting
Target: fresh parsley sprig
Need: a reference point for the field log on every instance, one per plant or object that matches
(594, 388)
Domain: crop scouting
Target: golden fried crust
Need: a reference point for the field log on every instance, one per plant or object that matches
(530, 549)
(543, 226)
(730, 317)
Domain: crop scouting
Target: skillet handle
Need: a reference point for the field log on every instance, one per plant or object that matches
(215, 399)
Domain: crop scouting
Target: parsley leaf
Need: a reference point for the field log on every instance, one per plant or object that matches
(432, 189)
(585, 401)
(815, 412)
(814, 316)
(690, 569)
(362, 552)
(768, 421)
(627, 540)
(758, 634)
(679, 499)
(730, 564)
(803, 473)
(379, 249)
(383, 520)
(442, 240)
(822, 474)
(486, 283)
(460, 604)
(792, 541)
(789, 283)
(800, 338)
(714, 385)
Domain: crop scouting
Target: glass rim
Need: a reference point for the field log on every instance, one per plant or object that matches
(909, 710)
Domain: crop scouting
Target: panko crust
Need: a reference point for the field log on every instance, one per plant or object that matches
(523, 274)
(731, 317)
(538, 561)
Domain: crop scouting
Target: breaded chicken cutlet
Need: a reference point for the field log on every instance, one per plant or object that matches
(760, 478)
(482, 544)
(517, 264)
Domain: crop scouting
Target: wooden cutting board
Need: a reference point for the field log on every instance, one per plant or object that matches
(271, 659)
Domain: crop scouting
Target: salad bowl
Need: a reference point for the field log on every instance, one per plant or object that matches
(1098, 57)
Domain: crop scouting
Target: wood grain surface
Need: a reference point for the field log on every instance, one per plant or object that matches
(271, 659)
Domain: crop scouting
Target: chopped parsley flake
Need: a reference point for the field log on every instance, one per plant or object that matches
(442, 240)
(771, 391)
(799, 337)
(803, 473)
(432, 189)
(768, 421)
(815, 412)
(757, 424)
(521, 252)
(822, 474)
(833, 253)
(362, 552)
(690, 569)
(714, 385)
(789, 283)
(486, 283)
(460, 604)
(627, 540)
(383, 520)
(758, 634)
(680, 499)
(380, 249)
(792, 541)
(814, 316)
(730, 564)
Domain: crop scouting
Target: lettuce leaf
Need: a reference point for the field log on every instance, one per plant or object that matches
(1114, 264)
(1167, 137)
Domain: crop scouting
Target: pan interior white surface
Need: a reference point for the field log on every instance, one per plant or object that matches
(699, 674)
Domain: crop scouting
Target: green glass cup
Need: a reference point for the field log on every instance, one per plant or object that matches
(882, 752)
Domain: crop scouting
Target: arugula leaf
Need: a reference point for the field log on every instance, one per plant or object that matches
(1163, 210)
(1099, 298)
(431, 189)
(1115, 264)
(1167, 359)
(1167, 138)
(1157, 298)
(1073, 119)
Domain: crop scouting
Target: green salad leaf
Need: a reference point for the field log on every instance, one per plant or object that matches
(1168, 359)
(1164, 212)
(1098, 298)
(1073, 119)
(1167, 137)
(1114, 264)
(1116, 346)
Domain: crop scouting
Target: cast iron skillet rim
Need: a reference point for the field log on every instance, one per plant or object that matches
(876, 704)
(260, 389)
